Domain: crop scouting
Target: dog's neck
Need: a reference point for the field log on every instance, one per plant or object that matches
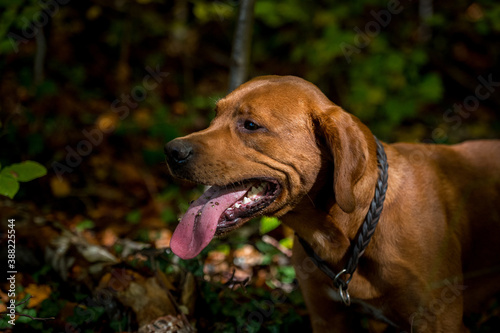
(324, 225)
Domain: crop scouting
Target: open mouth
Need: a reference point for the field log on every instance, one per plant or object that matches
(260, 195)
(219, 210)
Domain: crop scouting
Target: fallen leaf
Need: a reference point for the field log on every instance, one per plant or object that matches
(4, 298)
(128, 172)
(142, 117)
(162, 238)
(108, 237)
(107, 122)
(188, 297)
(216, 263)
(247, 256)
(147, 298)
(179, 108)
(94, 253)
(60, 187)
(39, 293)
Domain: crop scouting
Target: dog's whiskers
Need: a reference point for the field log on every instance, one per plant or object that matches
(310, 199)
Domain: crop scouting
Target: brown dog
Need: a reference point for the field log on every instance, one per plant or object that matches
(279, 147)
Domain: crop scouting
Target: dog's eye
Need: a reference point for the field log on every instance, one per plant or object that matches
(250, 125)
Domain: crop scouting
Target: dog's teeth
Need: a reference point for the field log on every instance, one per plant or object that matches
(253, 191)
(246, 200)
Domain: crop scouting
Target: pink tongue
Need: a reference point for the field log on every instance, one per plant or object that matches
(193, 234)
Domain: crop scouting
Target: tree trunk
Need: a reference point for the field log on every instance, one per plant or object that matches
(240, 55)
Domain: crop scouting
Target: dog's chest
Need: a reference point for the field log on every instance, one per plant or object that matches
(366, 308)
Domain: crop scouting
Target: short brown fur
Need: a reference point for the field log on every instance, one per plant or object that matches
(435, 252)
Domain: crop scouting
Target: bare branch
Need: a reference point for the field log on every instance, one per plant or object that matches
(25, 315)
(272, 241)
(232, 282)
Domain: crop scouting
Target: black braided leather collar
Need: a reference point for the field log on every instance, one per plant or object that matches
(364, 235)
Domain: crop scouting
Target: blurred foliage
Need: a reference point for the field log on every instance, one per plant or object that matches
(93, 90)
(11, 175)
(268, 224)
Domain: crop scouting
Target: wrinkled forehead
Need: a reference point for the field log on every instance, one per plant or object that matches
(265, 99)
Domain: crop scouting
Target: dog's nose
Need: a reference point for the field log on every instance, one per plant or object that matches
(178, 151)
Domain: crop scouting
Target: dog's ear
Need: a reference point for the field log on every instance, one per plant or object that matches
(343, 137)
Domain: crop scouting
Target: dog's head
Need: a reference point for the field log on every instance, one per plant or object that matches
(262, 154)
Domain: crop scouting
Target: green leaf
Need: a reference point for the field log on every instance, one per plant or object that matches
(134, 217)
(8, 185)
(267, 224)
(287, 242)
(287, 273)
(266, 248)
(168, 215)
(85, 224)
(23, 319)
(224, 248)
(431, 87)
(25, 171)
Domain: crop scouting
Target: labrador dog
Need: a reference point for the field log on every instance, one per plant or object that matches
(279, 147)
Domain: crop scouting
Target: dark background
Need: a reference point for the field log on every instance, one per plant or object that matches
(80, 71)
